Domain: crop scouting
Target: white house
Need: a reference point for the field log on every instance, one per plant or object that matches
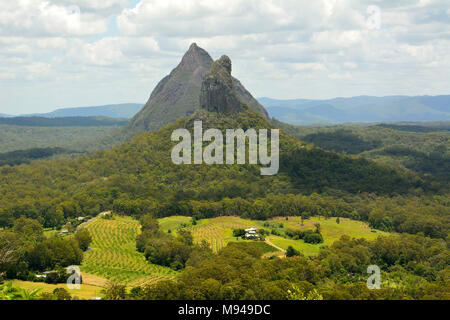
(251, 233)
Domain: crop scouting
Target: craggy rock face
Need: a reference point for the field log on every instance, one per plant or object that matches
(177, 95)
(225, 62)
(218, 93)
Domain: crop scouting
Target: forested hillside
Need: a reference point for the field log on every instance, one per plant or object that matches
(15, 138)
(138, 179)
(424, 148)
(63, 122)
(26, 156)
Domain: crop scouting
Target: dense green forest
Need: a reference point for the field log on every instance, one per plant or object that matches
(15, 138)
(421, 148)
(417, 128)
(414, 268)
(139, 179)
(26, 156)
(25, 251)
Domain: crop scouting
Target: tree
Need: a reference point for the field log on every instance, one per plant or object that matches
(338, 220)
(9, 251)
(30, 229)
(61, 294)
(238, 233)
(52, 278)
(318, 227)
(114, 291)
(296, 294)
(83, 238)
(313, 237)
(291, 252)
(53, 252)
(186, 237)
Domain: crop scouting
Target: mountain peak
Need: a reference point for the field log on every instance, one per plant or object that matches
(196, 57)
(193, 46)
(218, 93)
(225, 62)
(177, 95)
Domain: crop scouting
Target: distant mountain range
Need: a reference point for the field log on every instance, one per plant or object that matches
(118, 111)
(124, 111)
(299, 111)
(63, 121)
(360, 109)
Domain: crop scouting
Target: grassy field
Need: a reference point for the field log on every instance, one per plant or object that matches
(219, 231)
(114, 255)
(48, 233)
(85, 292)
(173, 223)
(330, 229)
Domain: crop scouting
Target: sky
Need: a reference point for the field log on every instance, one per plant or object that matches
(69, 53)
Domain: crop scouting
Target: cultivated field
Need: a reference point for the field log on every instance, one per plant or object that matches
(85, 292)
(114, 255)
(219, 231)
(330, 229)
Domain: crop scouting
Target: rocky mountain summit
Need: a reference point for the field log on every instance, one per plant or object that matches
(218, 93)
(179, 94)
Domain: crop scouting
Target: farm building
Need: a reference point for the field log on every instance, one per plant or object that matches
(251, 233)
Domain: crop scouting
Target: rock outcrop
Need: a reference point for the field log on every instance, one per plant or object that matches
(218, 93)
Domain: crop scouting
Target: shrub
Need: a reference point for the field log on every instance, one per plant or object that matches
(291, 252)
(313, 237)
(238, 233)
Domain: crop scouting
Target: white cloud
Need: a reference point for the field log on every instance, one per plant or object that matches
(230, 17)
(44, 18)
(98, 4)
(279, 48)
(309, 67)
(341, 76)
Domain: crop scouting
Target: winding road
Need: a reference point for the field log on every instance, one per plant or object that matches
(276, 247)
(84, 224)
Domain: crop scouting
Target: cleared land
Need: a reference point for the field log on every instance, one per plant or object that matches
(219, 231)
(85, 292)
(114, 255)
(330, 229)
